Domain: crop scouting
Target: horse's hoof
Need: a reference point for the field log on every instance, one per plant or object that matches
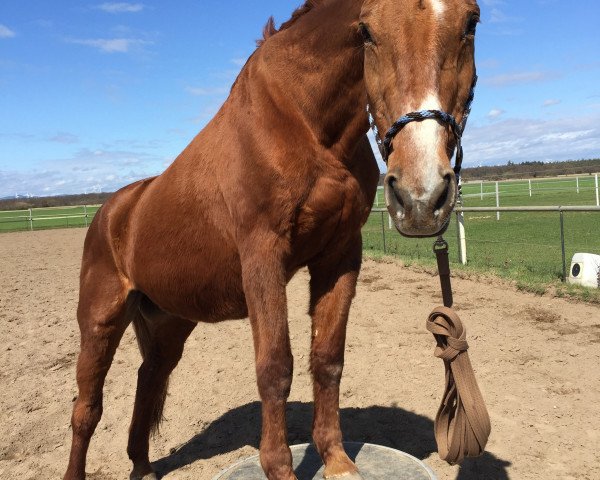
(345, 476)
(148, 476)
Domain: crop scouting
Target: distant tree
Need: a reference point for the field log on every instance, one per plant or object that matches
(55, 201)
(531, 169)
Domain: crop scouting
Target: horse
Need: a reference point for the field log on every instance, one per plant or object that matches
(283, 177)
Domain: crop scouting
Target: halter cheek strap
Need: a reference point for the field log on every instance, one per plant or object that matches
(385, 145)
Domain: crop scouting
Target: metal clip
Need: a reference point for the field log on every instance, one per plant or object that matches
(440, 245)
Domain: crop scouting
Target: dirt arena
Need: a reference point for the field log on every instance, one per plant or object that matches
(537, 361)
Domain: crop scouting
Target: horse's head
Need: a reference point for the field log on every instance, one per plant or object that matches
(419, 55)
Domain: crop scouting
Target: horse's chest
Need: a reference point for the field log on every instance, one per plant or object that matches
(333, 207)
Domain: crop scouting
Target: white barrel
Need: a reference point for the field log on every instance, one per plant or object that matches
(585, 270)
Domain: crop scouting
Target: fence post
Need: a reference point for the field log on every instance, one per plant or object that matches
(530, 187)
(85, 215)
(30, 220)
(562, 246)
(482, 190)
(577, 184)
(383, 231)
(497, 201)
(390, 226)
(462, 241)
(597, 196)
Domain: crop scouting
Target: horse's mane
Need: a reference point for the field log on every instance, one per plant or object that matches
(269, 30)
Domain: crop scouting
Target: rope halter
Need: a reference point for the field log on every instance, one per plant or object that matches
(385, 145)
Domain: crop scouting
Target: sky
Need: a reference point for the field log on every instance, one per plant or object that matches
(95, 95)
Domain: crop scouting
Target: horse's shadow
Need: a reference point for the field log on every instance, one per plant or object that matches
(388, 426)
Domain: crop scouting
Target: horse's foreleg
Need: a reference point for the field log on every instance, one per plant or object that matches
(161, 338)
(264, 288)
(332, 287)
(103, 317)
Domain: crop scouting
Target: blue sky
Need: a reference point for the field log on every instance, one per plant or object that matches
(94, 95)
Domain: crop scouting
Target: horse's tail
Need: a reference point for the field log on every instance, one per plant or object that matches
(146, 341)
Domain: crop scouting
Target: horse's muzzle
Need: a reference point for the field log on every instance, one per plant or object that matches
(426, 215)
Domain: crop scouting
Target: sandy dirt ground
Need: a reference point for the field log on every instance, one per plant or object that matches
(537, 361)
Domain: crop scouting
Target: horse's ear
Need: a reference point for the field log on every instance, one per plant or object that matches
(268, 31)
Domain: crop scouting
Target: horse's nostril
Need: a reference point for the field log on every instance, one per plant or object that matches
(442, 200)
(394, 187)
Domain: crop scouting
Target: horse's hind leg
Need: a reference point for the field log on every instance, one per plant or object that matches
(103, 315)
(332, 287)
(161, 338)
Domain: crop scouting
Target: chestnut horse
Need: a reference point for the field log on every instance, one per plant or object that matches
(282, 177)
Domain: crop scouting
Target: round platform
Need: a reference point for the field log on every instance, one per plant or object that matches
(374, 463)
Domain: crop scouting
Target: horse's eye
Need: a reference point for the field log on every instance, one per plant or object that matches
(364, 31)
(472, 25)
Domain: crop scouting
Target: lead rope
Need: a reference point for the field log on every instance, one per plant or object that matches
(462, 423)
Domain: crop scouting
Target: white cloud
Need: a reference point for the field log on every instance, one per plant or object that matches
(87, 170)
(121, 7)
(64, 137)
(202, 91)
(519, 78)
(111, 45)
(43, 23)
(551, 102)
(570, 136)
(240, 62)
(495, 113)
(497, 22)
(507, 32)
(6, 32)
(206, 114)
(522, 140)
(493, 3)
(497, 16)
(490, 63)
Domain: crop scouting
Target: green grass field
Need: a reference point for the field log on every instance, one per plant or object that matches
(45, 218)
(525, 247)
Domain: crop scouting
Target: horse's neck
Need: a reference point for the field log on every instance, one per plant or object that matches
(315, 69)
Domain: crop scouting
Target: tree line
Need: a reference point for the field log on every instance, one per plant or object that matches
(54, 201)
(527, 170)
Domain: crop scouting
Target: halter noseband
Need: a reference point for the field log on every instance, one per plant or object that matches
(444, 118)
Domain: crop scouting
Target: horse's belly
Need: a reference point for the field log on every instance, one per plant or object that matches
(188, 289)
(191, 271)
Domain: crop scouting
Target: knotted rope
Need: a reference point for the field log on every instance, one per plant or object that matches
(462, 424)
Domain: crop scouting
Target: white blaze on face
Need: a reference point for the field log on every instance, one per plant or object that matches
(427, 138)
(438, 8)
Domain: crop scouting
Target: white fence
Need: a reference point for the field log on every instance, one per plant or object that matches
(462, 238)
(47, 217)
(579, 184)
(462, 242)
